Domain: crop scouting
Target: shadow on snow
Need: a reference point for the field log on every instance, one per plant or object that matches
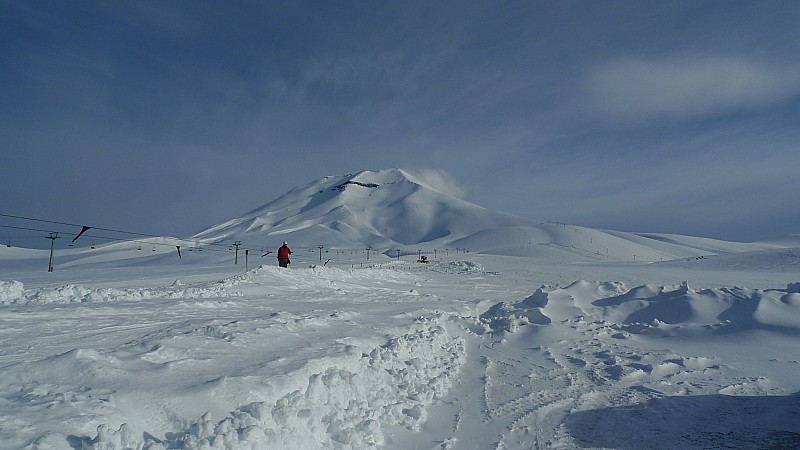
(705, 421)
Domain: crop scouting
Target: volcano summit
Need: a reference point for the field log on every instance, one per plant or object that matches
(380, 209)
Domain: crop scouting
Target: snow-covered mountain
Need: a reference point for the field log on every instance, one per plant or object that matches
(394, 209)
(389, 211)
(381, 209)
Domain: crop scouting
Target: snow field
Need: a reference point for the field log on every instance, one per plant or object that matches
(141, 391)
(462, 354)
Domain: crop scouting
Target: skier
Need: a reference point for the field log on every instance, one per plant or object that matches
(283, 255)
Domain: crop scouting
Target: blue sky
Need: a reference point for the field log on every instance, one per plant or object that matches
(169, 117)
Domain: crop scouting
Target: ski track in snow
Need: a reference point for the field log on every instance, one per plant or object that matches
(538, 390)
(447, 356)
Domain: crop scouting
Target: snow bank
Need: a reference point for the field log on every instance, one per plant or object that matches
(318, 276)
(343, 406)
(12, 292)
(458, 267)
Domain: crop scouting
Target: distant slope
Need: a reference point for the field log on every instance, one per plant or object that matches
(587, 242)
(792, 241)
(707, 245)
(391, 209)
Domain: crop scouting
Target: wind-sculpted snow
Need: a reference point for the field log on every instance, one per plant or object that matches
(654, 309)
(342, 406)
(12, 292)
(478, 351)
(597, 365)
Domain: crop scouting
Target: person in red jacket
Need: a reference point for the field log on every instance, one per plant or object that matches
(283, 255)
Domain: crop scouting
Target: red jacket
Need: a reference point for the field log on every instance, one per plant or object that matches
(284, 252)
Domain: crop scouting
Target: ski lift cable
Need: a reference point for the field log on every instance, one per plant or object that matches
(28, 229)
(205, 245)
(73, 225)
(247, 244)
(95, 228)
(148, 242)
(105, 238)
(244, 244)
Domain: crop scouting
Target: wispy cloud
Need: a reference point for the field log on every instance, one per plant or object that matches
(441, 181)
(637, 90)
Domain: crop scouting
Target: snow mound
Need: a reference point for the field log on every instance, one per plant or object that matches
(343, 405)
(458, 267)
(653, 309)
(504, 318)
(11, 291)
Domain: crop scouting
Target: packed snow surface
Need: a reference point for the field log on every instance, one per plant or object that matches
(468, 351)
